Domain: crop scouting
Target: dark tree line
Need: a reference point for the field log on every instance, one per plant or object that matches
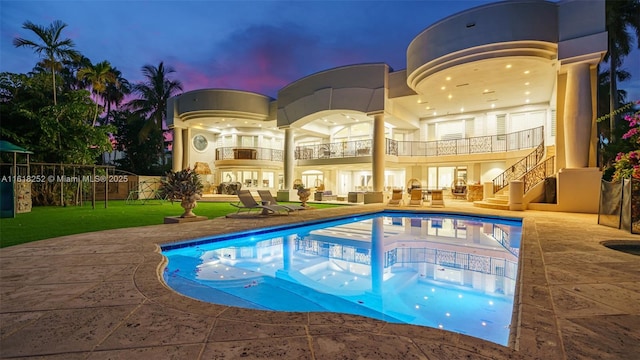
(71, 110)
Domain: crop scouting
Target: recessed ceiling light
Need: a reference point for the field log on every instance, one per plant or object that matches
(527, 92)
(527, 101)
(526, 84)
(493, 106)
(526, 71)
(435, 113)
(461, 109)
(508, 66)
(450, 96)
(448, 78)
(428, 108)
(442, 88)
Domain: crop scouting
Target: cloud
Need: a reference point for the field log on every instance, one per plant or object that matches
(263, 59)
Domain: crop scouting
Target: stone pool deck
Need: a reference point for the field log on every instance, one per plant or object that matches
(100, 296)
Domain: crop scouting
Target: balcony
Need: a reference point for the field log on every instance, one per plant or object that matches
(249, 153)
(346, 149)
(521, 140)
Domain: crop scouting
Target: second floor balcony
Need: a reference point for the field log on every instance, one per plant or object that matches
(334, 150)
(249, 153)
(521, 140)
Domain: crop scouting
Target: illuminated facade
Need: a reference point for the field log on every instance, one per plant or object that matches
(482, 90)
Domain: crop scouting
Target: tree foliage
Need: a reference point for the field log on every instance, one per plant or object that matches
(69, 128)
(59, 133)
(140, 156)
(622, 18)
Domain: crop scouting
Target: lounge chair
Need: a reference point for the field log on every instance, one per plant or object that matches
(396, 197)
(416, 197)
(437, 198)
(247, 202)
(266, 196)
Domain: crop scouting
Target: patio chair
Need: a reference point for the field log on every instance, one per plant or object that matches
(416, 197)
(266, 197)
(459, 191)
(247, 202)
(396, 197)
(437, 198)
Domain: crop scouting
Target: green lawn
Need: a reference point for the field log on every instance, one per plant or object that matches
(51, 221)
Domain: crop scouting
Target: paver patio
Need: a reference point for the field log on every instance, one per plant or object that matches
(100, 296)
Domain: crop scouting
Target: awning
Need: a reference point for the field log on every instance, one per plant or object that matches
(6, 146)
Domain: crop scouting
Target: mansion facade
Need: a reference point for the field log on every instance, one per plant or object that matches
(484, 91)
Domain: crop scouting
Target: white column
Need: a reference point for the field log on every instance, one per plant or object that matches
(176, 152)
(185, 148)
(288, 158)
(577, 116)
(377, 154)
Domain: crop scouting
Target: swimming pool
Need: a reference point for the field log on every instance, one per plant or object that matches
(451, 272)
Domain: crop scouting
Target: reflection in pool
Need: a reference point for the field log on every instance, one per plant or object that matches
(451, 272)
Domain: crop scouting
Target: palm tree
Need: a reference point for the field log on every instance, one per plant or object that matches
(69, 73)
(98, 76)
(154, 94)
(620, 16)
(116, 92)
(51, 47)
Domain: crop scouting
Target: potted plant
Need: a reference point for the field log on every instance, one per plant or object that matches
(184, 186)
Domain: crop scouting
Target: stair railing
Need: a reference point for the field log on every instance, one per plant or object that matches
(539, 173)
(518, 169)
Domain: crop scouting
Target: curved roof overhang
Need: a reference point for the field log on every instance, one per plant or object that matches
(485, 77)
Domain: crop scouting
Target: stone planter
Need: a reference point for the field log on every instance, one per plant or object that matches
(304, 194)
(188, 204)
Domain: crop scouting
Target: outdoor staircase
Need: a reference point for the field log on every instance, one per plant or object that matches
(498, 202)
(532, 169)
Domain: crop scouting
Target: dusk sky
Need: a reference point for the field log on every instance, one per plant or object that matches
(258, 46)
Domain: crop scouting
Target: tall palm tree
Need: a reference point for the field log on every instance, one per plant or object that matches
(621, 15)
(116, 92)
(98, 76)
(51, 47)
(154, 94)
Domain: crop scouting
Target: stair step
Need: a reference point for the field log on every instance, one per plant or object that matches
(497, 201)
(504, 197)
(489, 205)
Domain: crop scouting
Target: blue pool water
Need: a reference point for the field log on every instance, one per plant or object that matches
(451, 272)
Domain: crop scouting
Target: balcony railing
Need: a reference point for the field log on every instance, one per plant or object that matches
(249, 153)
(357, 148)
(525, 139)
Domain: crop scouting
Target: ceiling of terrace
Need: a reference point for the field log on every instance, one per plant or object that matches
(484, 85)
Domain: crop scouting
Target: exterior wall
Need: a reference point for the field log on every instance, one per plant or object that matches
(220, 103)
(485, 25)
(358, 88)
